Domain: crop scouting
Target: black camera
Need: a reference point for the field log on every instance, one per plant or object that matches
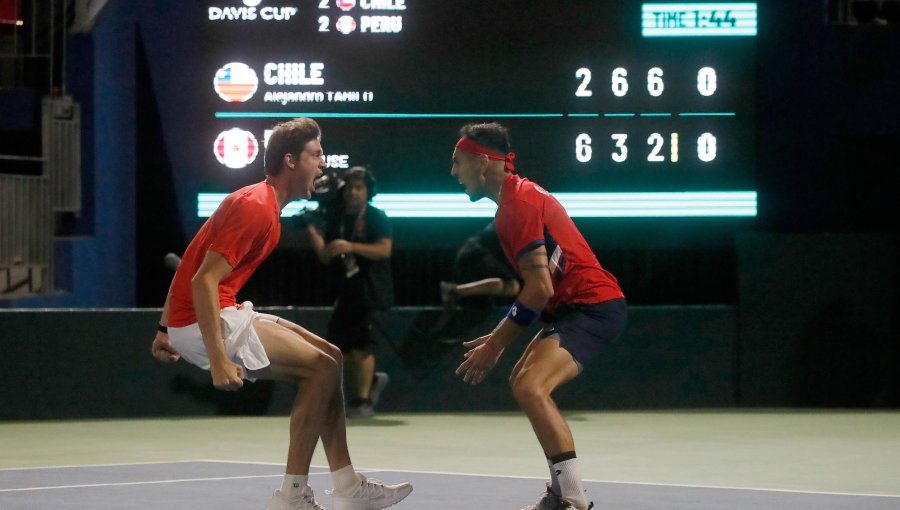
(328, 191)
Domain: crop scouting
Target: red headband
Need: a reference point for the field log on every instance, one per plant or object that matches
(469, 145)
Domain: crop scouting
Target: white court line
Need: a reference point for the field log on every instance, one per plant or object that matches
(150, 463)
(326, 471)
(64, 466)
(723, 487)
(152, 482)
(622, 482)
(253, 462)
(373, 470)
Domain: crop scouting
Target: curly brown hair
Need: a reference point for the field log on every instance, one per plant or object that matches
(289, 137)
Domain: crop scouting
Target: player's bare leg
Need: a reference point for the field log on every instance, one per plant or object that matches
(544, 367)
(334, 429)
(353, 491)
(334, 426)
(317, 376)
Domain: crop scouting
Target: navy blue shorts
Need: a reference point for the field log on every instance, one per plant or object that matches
(584, 329)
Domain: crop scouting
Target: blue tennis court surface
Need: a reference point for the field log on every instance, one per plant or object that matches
(217, 485)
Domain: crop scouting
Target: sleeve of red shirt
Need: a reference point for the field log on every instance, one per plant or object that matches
(239, 231)
(527, 228)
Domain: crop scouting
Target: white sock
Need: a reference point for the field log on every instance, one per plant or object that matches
(570, 483)
(345, 479)
(293, 484)
(554, 479)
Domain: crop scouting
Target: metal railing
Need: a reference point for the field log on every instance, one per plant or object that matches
(26, 236)
(28, 203)
(61, 125)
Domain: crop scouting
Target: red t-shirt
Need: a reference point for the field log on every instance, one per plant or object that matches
(244, 229)
(528, 217)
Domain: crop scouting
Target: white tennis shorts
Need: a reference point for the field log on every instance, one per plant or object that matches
(241, 341)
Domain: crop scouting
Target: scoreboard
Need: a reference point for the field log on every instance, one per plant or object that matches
(620, 109)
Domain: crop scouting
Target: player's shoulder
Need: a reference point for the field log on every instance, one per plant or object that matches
(527, 197)
(253, 195)
(253, 201)
(530, 191)
(241, 194)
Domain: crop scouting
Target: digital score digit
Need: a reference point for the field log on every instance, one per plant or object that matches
(655, 87)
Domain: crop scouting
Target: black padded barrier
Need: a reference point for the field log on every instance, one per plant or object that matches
(97, 364)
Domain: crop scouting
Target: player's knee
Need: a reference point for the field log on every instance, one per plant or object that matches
(527, 389)
(335, 352)
(325, 368)
(512, 379)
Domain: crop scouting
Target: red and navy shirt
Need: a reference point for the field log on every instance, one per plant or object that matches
(529, 217)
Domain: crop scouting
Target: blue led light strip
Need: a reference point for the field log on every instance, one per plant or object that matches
(342, 115)
(578, 205)
(337, 115)
(706, 114)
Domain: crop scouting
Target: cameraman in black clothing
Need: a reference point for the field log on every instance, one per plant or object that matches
(354, 239)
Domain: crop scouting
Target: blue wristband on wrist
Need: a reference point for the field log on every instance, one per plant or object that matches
(521, 314)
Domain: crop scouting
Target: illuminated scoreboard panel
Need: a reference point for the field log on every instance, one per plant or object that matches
(621, 109)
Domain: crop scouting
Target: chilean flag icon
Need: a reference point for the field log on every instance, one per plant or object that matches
(235, 82)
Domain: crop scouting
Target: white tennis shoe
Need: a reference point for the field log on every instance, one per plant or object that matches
(552, 501)
(303, 500)
(549, 501)
(370, 495)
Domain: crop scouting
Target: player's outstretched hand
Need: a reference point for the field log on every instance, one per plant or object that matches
(162, 348)
(480, 359)
(475, 343)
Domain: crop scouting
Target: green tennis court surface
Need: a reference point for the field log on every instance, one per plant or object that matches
(630, 460)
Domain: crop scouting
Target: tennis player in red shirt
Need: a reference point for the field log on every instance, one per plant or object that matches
(580, 303)
(203, 323)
